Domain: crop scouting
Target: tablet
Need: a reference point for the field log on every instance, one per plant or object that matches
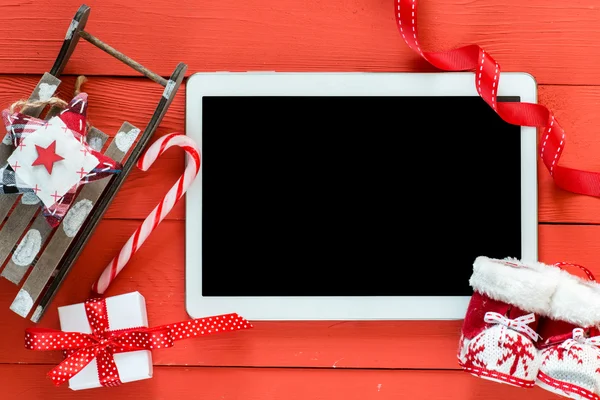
(352, 196)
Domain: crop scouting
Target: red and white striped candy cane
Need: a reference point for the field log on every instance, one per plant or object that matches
(161, 210)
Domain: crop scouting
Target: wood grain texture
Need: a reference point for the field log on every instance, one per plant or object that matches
(15, 226)
(555, 42)
(157, 271)
(178, 383)
(112, 100)
(575, 108)
(6, 204)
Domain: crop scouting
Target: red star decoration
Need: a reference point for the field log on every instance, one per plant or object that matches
(20, 126)
(47, 156)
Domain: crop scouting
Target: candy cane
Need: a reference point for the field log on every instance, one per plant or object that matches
(161, 210)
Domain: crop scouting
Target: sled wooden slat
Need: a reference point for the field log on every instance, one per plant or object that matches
(5, 151)
(6, 205)
(96, 138)
(66, 232)
(35, 238)
(6, 200)
(16, 224)
(45, 88)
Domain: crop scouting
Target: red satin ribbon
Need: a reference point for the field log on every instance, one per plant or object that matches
(487, 77)
(103, 343)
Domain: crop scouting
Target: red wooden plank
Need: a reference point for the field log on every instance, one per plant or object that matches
(556, 43)
(359, 35)
(157, 271)
(113, 101)
(575, 107)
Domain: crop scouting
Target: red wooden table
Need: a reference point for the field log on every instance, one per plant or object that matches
(555, 41)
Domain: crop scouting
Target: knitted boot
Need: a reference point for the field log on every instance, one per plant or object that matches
(570, 358)
(498, 332)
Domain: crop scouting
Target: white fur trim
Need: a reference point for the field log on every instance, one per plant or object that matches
(526, 285)
(576, 301)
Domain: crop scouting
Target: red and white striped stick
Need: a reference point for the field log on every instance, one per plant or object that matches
(161, 210)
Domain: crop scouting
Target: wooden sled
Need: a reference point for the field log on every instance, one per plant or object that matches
(27, 242)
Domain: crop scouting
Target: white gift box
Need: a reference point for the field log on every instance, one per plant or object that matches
(124, 311)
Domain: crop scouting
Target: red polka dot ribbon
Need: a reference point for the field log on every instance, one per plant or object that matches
(81, 348)
(487, 77)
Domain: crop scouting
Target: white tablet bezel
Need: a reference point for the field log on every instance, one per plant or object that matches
(344, 84)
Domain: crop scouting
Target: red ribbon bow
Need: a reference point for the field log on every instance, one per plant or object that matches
(487, 78)
(102, 343)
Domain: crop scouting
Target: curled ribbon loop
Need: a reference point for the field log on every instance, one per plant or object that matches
(487, 78)
(81, 348)
(580, 338)
(519, 324)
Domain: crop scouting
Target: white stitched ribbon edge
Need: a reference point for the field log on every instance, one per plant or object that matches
(579, 338)
(519, 324)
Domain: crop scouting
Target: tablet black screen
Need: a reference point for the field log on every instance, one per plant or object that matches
(355, 196)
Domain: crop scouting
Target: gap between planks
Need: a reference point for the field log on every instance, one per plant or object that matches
(292, 35)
